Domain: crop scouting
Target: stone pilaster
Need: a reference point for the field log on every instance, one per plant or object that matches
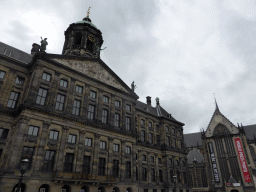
(80, 151)
(122, 167)
(39, 158)
(96, 154)
(110, 155)
(61, 158)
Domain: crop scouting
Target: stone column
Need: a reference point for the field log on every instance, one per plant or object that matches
(139, 166)
(40, 153)
(17, 140)
(80, 151)
(133, 163)
(96, 154)
(122, 168)
(99, 106)
(110, 156)
(157, 170)
(61, 158)
(52, 92)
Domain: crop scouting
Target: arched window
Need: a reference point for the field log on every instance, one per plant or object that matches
(129, 190)
(22, 187)
(84, 189)
(66, 188)
(44, 188)
(190, 182)
(78, 40)
(116, 189)
(204, 178)
(101, 189)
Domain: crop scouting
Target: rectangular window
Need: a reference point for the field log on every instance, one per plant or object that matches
(102, 145)
(174, 142)
(157, 127)
(128, 107)
(128, 150)
(117, 103)
(167, 129)
(128, 123)
(158, 139)
(116, 147)
(1, 151)
(48, 160)
(28, 154)
(142, 136)
(68, 164)
(152, 159)
(41, 96)
(171, 175)
(76, 107)
(150, 138)
(72, 138)
(153, 178)
(159, 161)
(12, 103)
(93, 94)
(33, 130)
(117, 120)
(154, 190)
(173, 131)
(102, 166)
(88, 142)
(144, 158)
(128, 170)
(86, 164)
(19, 80)
(91, 111)
(170, 161)
(4, 133)
(2, 74)
(60, 102)
(63, 83)
(142, 122)
(144, 174)
(179, 144)
(136, 174)
(105, 99)
(79, 89)
(150, 125)
(46, 76)
(161, 175)
(54, 135)
(115, 168)
(168, 141)
(104, 116)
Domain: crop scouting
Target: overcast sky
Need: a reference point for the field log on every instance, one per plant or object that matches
(181, 51)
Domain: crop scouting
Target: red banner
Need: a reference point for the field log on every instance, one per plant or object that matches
(243, 163)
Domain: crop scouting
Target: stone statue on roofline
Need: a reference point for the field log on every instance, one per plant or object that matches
(44, 43)
(133, 86)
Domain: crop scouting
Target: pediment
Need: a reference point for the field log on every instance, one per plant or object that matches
(220, 125)
(94, 70)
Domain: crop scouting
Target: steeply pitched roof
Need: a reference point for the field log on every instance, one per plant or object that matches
(195, 154)
(193, 139)
(14, 53)
(157, 111)
(250, 131)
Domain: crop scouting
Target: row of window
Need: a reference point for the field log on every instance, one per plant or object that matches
(79, 89)
(18, 80)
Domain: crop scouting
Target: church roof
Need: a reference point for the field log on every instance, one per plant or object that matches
(195, 155)
(14, 53)
(250, 131)
(193, 139)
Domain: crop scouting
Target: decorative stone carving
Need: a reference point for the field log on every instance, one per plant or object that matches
(82, 132)
(111, 138)
(57, 73)
(87, 150)
(31, 139)
(92, 69)
(70, 146)
(65, 128)
(73, 79)
(97, 136)
(13, 70)
(52, 142)
(23, 119)
(46, 124)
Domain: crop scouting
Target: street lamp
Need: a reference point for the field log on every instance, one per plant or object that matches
(174, 180)
(25, 162)
(213, 184)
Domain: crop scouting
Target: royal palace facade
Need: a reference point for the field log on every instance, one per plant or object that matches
(69, 123)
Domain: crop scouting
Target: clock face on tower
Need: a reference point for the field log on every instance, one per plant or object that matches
(91, 38)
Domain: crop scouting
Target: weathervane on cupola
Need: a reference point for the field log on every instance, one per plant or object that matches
(83, 38)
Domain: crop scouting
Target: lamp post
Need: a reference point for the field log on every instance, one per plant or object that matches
(174, 180)
(213, 184)
(25, 161)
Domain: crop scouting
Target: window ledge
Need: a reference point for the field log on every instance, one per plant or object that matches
(31, 139)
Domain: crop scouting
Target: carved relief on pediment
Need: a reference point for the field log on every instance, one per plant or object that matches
(94, 70)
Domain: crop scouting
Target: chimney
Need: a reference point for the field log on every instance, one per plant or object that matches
(35, 48)
(148, 100)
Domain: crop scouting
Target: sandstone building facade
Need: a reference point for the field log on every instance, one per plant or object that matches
(80, 127)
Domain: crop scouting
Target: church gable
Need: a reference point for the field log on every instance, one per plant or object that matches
(92, 69)
(220, 125)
